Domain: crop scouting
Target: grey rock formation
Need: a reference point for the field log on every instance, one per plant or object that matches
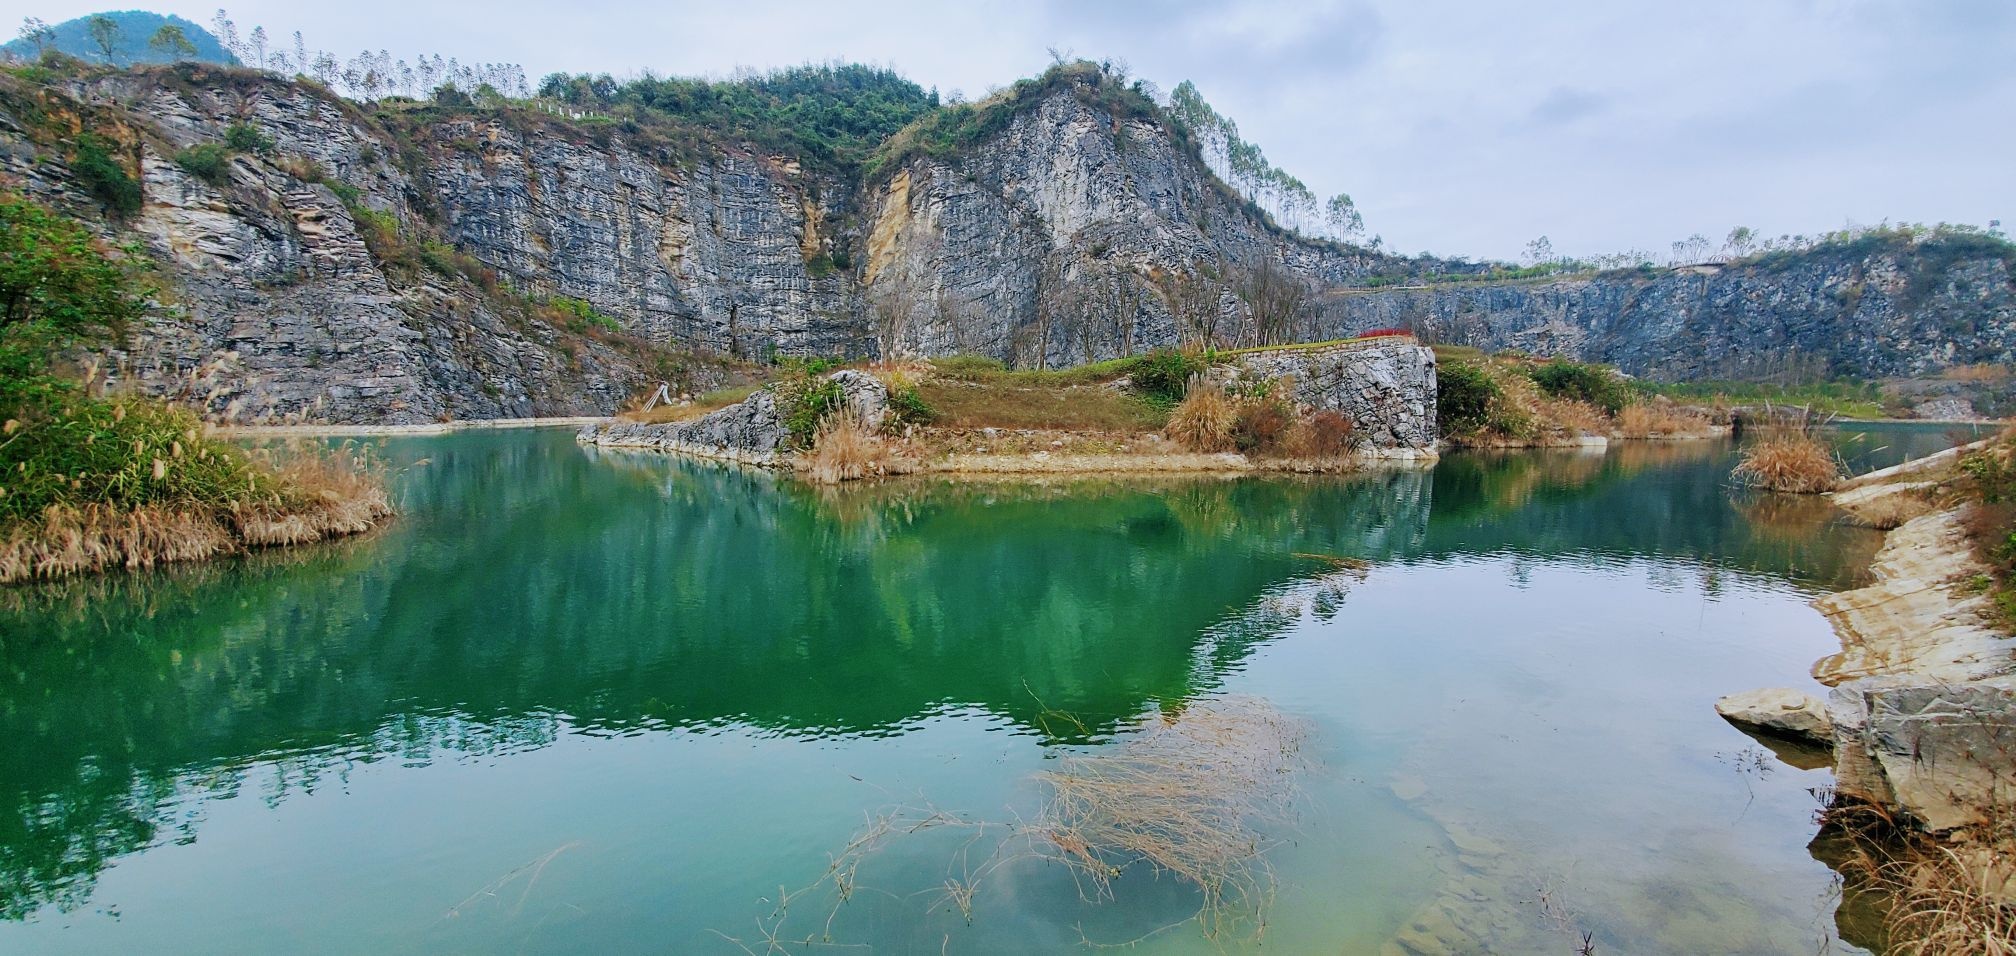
(863, 396)
(751, 431)
(1942, 753)
(1058, 237)
(1386, 387)
(1946, 410)
(1890, 310)
(1780, 712)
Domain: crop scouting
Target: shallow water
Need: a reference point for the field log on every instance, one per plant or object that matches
(587, 702)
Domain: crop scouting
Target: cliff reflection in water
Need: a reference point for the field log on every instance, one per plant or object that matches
(533, 589)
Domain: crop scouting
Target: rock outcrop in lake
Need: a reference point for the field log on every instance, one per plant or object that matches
(407, 262)
(753, 431)
(1386, 387)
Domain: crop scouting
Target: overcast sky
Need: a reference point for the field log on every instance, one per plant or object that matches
(1460, 128)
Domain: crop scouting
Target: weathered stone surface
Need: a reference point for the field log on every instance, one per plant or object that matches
(1780, 711)
(1944, 753)
(1915, 620)
(1385, 387)
(726, 250)
(751, 431)
(1867, 315)
(864, 396)
(1946, 410)
(1924, 703)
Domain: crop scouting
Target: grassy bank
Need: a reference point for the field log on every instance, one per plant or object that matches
(89, 482)
(1513, 401)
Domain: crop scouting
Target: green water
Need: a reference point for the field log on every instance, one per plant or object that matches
(579, 703)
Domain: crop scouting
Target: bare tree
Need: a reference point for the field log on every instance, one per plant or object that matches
(1196, 298)
(892, 304)
(37, 33)
(1112, 308)
(1277, 303)
(1053, 303)
(226, 32)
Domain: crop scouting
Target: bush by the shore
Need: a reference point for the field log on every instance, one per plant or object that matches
(90, 482)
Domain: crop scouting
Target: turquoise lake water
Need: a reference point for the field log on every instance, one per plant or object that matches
(581, 702)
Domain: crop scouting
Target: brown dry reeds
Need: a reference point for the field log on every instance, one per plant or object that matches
(1889, 511)
(1206, 418)
(1193, 793)
(1318, 435)
(1930, 896)
(1953, 901)
(1188, 797)
(1658, 420)
(1794, 462)
(321, 495)
(846, 449)
(71, 539)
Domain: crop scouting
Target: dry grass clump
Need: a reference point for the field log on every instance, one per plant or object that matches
(1205, 419)
(1319, 434)
(1187, 797)
(327, 495)
(1952, 901)
(1657, 419)
(1010, 403)
(1191, 794)
(1794, 462)
(1931, 897)
(73, 539)
(846, 449)
(96, 483)
(1889, 511)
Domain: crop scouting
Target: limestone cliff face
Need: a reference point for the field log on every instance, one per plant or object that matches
(1894, 311)
(267, 277)
(1053, 238)
(716, 254)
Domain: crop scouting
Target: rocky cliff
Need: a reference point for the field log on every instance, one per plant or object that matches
(408, 262)
(1877, 308)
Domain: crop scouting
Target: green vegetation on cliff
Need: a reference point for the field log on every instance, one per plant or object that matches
(90, 481)
(831, 114)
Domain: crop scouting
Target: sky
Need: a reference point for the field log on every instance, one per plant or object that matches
(1459, 128)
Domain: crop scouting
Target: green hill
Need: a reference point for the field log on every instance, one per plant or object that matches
(130, 41)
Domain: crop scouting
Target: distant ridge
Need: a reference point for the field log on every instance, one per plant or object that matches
(136, 27)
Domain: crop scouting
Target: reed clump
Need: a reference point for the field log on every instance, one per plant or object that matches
(845, 448)
(1658, 419)
(1196, 793)
(1795, 462)
(94, 483)
(1931, 896)
(1205, 419)
(1191, 796)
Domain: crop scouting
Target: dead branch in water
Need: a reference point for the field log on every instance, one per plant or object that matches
(1191, 793)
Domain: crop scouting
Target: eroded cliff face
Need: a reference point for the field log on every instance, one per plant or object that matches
(1056, 238)
(717, 254)
(1896, 311)
(268, 283)
(1053, 241)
